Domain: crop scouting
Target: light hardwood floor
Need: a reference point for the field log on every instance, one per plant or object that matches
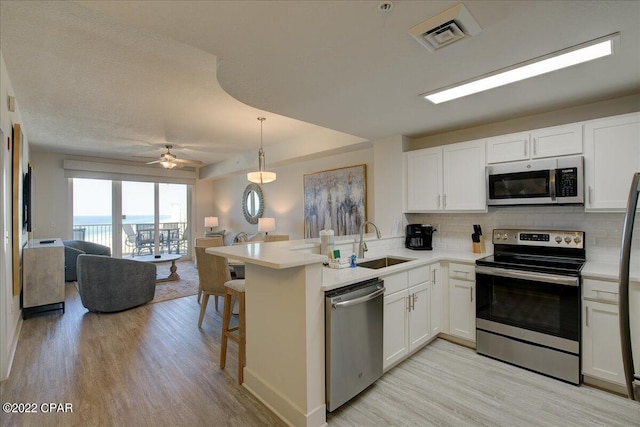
(152, 366)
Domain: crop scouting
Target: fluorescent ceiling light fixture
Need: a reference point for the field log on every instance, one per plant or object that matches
(545, 64)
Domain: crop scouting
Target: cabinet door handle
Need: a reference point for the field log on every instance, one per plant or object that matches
(526, 143)
(535, 146)
(438, 201)
(433, 277)
(590, 191)
(444, 201)
(471, 293)
(409, 303)
(586, 310)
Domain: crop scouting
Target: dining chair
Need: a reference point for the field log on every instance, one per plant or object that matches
(206, 242)
(213, 273)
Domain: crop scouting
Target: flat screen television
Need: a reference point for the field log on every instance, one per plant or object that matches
(28, 200)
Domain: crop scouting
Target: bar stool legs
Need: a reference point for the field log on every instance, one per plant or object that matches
(234, 288)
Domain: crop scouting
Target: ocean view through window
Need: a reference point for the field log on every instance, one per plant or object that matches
(152, 217)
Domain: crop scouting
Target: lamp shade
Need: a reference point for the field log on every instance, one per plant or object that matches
(210, 221)
(261, 177)
(266, 224)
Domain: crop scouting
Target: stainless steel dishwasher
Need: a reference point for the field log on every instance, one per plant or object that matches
(353, 340)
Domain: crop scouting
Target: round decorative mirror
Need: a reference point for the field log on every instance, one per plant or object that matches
(252, 203)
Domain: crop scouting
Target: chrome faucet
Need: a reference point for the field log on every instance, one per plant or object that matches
(362, 247)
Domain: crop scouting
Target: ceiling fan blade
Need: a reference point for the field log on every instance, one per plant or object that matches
(154, 162)
(188, 162)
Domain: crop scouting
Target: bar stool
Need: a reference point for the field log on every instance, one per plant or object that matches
(234, 288)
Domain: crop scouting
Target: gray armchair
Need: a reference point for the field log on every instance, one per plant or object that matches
(114, 284)
(74, 248)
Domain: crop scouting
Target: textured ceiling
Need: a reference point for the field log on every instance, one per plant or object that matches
(121, 79)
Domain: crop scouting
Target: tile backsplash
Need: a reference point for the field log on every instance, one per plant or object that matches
(603, 231)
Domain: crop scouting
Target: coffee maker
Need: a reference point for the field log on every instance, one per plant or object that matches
(418, 237)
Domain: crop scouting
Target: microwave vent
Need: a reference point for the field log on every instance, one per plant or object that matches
(446, 28)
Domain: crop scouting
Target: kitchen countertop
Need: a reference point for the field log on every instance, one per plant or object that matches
(335, 278)
(609, 270)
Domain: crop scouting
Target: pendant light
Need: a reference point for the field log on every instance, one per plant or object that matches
(261, 176)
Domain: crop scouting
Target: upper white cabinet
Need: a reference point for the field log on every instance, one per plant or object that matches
(611, 157)
(424, 179)
(447, 178)
(548, 142)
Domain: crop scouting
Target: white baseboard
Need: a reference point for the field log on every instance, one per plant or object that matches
(11, 351)
(286, 410)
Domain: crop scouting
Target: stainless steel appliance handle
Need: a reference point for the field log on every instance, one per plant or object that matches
(552, 184)
(360, 300)
(525, 275)
(623, 290)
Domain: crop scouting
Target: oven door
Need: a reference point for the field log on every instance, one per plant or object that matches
(536, 307)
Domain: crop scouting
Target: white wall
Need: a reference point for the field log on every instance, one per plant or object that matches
(388, 183)
(10, 320)
(284, 197)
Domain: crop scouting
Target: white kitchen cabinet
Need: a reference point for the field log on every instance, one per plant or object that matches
(464, 177)
(419, 315)
(547, 142)
(449, 178)
(395, 332)
(408, 314)
(424, 171)
(601, 354)
(611, 157)
(462, 306)
(436, 300)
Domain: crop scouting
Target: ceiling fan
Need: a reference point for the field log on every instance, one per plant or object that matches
(170, 161)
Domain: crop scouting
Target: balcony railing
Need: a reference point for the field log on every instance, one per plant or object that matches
(137, 239)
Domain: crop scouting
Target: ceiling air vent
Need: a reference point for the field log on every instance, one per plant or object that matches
(448, 27)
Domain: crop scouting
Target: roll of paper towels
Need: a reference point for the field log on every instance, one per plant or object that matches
(326, 242)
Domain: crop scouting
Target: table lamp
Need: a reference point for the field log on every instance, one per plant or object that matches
(210, 221)
(266, 225)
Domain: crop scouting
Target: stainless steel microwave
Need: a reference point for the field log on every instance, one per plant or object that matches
(536, 182)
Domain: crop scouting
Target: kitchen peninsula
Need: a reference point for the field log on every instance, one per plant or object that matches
(285, 286)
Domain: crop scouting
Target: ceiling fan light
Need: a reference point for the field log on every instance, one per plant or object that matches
(168, 165)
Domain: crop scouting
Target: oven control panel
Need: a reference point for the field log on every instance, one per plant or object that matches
(547, 238)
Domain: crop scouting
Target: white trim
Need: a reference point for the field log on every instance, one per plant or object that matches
(118, 172)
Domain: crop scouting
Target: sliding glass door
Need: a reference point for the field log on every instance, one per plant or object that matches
(149, 218)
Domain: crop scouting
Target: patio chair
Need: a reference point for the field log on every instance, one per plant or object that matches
(132, 237)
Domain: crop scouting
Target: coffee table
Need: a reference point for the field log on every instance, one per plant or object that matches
(156, 259)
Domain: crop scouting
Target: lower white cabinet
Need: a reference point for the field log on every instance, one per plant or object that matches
(395, 331)
(410, 316)
(601, 354)
(462, 306)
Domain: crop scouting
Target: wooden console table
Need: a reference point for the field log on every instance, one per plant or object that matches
(43, 276)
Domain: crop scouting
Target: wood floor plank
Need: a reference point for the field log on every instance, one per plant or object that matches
(152, 366)
(448, 385)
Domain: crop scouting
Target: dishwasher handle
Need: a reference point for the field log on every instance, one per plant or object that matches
(359, 300)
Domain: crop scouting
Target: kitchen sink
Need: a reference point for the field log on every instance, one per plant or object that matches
(382, 262)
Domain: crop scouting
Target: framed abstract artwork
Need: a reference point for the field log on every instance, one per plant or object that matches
(335, 199)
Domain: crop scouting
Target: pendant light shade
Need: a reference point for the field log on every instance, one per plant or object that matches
(261, 176)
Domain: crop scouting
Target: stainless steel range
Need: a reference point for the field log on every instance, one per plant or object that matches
(528, 301)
